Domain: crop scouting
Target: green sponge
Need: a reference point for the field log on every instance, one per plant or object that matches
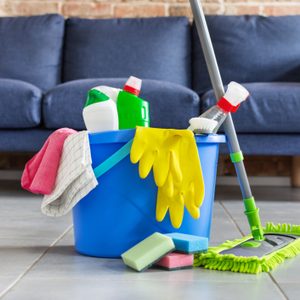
(147, 252)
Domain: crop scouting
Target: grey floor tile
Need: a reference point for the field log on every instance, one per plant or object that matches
(21, 218)
(288, 272)
(62, 261)
(68, 288)
(14, 260)
(223, 228)
(5, 281)
(63, 274)
(276, 212)
(291, 290)
(25, 233)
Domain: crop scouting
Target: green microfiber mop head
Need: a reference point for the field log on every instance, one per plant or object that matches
(215, 260)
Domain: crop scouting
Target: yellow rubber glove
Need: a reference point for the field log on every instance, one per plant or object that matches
(173, 155)
(174, 195)
(152, 148)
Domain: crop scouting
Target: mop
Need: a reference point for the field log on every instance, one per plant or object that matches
(265, 248)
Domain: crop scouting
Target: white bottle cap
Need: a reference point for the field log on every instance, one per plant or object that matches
(236, 93)
(133, 85)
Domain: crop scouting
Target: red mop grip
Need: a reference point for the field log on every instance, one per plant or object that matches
(227, 106)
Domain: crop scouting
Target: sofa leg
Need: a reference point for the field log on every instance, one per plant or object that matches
(295, 174)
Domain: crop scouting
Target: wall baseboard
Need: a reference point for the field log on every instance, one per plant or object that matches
(10, 175)
(256, 181)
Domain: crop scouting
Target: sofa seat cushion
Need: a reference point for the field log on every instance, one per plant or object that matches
(23, 140)
(20, 104)
(271, 108)
(250, 49)
(267, 144)
(31, 49)
(152, 48)
(171, 105)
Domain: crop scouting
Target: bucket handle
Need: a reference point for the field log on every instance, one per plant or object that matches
(113, 159)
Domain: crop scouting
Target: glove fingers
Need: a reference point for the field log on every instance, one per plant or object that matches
(175, 167)
(193, 210)
(197, 182)
(162, 164)
(168, 187)
(137, 150)
(174, 147)
(161, 167)
(176, 210)
(199, 191)
(146, 163)
(190, 200)
(161, 205)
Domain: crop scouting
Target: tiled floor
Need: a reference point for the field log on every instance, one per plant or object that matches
(38, 262)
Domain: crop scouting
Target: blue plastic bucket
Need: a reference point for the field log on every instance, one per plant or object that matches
(120, 211)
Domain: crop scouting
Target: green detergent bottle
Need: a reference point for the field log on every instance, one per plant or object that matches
(132, 110)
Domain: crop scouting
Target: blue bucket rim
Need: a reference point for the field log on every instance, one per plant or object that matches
(123, 136)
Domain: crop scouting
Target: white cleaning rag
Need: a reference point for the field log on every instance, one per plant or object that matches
(75, 177)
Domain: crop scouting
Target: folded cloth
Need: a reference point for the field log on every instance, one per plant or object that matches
(40, 171)
(75, 178)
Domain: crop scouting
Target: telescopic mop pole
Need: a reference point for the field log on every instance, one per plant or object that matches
(236, 155)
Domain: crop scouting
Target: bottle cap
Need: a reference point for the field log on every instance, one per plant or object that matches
(133, 85)
(233, 97)
(95, 96)
(236, 93)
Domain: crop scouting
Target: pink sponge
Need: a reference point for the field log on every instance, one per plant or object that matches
(174, 261)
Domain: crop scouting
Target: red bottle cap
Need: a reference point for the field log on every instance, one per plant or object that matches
(227, 106)
(133, 85)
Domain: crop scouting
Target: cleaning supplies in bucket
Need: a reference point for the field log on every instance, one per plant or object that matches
(211, 120)
(96, 232)
(109, 108)
(173, 155)
(100, 112)
(132, 110)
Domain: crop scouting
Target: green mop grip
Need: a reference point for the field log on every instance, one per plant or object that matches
(252, 213)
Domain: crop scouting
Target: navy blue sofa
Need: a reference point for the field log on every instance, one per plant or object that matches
(47, 65)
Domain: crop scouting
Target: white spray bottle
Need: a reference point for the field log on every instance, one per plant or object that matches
(211, 120)
(100, 112)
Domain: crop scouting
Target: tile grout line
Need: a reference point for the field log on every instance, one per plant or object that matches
(16, 281)
(278, 287)
(240, 230)
(231, 218)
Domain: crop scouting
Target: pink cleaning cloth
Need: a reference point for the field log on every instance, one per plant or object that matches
(40, 171)
(174, 261)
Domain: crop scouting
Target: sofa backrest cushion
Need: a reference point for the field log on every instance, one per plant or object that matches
(171, 105)
(31, 49)
(250, 49)
(150, 48)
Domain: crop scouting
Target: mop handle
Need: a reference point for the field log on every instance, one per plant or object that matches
(251, 211)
